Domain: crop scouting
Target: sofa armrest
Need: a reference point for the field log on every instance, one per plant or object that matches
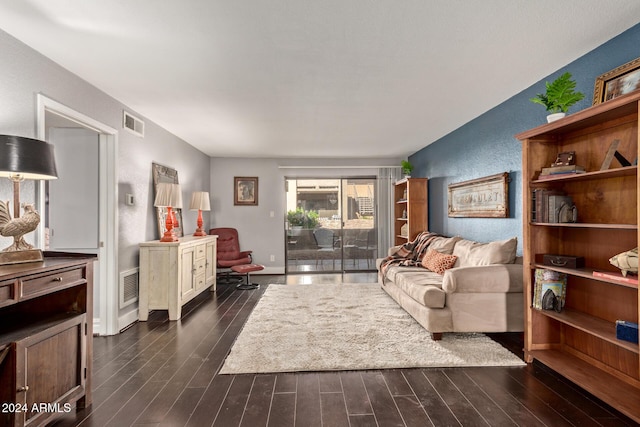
(485, 278)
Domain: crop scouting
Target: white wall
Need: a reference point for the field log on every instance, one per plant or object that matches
(25, 73)
(258, 230)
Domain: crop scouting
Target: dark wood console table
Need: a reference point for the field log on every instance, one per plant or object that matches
(46, 336)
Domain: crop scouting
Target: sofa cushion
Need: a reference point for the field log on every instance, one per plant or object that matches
(472, 253)
(444, 245)
(437, 262)
(423, 286)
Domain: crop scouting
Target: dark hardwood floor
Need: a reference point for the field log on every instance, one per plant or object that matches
(161, 373)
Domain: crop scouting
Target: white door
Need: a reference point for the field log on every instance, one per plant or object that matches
(73, 206)
(73, 197)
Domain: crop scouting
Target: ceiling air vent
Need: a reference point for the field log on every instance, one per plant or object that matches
(133, 124)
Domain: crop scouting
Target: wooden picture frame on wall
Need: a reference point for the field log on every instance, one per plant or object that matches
(245, 191)
(486, 197)
(619, 81)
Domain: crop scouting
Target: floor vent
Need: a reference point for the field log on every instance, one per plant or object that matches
(133, 124)
(129, 285)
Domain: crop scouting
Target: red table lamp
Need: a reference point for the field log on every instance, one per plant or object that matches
(168, 196)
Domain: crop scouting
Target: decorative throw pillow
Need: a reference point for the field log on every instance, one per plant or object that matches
(626, 261)
(437, 262)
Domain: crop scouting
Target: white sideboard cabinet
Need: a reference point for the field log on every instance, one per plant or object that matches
(173, 273)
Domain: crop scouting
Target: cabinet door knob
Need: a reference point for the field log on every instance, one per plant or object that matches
(24, 388)
(57, 279)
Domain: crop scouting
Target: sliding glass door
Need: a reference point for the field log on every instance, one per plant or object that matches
(331, 225)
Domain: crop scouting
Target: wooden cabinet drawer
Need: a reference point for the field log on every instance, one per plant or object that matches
(200, 281)
(8, 292)
(199, 266)
(201, 251)
(61, 279)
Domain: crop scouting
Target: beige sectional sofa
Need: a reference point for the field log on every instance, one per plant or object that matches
(482, 292)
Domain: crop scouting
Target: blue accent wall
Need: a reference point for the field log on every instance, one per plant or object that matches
(487, 145)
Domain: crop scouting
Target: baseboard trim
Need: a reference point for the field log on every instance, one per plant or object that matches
(127, 319)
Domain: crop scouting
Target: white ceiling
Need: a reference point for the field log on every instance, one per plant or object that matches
(314, 78)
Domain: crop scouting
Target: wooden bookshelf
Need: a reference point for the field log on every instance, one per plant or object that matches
(411, 209)
(580, 342)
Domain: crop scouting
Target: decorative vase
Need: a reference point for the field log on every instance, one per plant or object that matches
(555, 116)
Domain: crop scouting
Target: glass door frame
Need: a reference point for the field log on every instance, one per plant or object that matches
(302, 245)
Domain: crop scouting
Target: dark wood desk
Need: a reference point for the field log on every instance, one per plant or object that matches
(46, 336)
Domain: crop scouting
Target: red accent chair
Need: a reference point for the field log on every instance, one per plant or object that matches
(229, 254)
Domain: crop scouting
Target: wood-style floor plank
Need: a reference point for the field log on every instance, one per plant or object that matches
(282, 411)
(255, 413)
(384, 407)
(162, 373)
(308, 408)
(429, 398)
(483, 404)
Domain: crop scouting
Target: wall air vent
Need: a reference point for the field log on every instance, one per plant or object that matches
(133, 124)
(129, 285)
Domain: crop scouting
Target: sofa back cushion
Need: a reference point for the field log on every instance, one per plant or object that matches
(471, 253)
(444, 245)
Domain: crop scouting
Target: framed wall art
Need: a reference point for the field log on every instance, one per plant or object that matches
(170, 175)
(619, 81)
(245, 190)
(486, 197)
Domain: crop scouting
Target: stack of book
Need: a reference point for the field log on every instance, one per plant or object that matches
(630, 279)
(549, 279)
(555, 171)
(546, 205)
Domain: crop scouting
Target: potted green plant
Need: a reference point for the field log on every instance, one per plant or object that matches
(407, 168)
(559, 96)
(299, 219)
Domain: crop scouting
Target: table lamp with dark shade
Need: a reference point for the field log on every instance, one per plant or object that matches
(22, 158)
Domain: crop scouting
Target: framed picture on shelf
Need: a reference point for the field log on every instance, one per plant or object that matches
(619, 81)
(245, 191)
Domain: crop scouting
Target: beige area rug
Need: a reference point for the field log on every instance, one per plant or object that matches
(347, 327)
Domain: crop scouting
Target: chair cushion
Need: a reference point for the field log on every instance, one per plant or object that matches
(228, 247)
(226, 263)
(247, 268)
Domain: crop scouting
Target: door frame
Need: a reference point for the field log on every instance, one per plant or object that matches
(343, 180)
(107, 323)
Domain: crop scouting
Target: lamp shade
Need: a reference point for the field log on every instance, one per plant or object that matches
(168, 195)
(200, 201)
(26, 158)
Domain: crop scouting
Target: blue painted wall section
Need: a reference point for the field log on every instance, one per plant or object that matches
(487, 145)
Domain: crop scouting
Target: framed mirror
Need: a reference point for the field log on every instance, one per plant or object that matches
(166, 174)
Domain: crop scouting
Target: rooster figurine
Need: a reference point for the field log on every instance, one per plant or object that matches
(18, 227)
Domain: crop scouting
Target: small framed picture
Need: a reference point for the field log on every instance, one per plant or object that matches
(245, 190)
(619, 81)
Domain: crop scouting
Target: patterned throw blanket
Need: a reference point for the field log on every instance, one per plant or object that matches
(410, 254)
